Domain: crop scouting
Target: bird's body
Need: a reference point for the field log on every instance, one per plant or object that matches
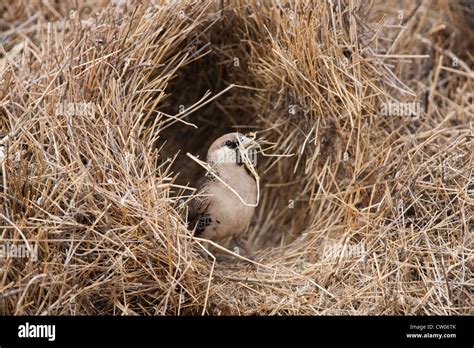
(217, 213)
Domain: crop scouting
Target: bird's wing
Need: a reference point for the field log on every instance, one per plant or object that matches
(197, 212)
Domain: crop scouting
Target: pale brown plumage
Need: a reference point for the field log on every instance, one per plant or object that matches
(217, 213)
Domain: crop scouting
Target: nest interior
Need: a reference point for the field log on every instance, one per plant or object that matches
(364, 112)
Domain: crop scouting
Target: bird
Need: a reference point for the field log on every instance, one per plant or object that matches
(216, 212)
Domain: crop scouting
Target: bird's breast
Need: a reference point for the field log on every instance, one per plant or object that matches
(230, 215)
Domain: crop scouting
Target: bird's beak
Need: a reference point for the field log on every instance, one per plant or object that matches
(246, 141)
(248, 148)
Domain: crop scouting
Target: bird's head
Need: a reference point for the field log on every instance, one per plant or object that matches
(230, 149)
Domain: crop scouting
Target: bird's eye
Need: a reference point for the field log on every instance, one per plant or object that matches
(231, 144)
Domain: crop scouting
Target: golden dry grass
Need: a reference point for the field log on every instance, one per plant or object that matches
(360, 212)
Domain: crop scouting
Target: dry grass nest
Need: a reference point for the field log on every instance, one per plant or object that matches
(365, 113)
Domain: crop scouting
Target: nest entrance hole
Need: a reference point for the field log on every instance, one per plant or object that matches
(275, 221)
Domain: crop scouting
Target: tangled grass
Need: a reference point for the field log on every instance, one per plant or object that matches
(365, 112)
